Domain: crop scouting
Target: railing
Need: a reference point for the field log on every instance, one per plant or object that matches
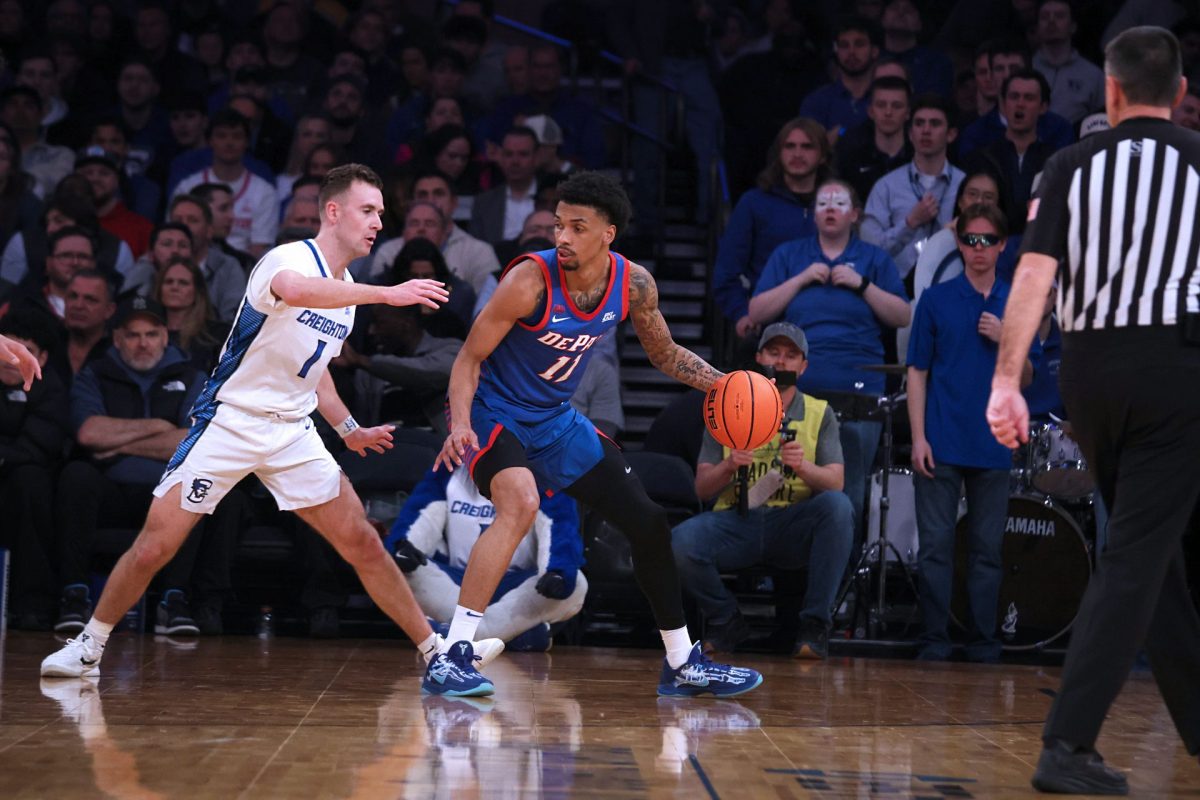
(721, 334)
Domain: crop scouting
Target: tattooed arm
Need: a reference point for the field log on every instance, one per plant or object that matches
(676, 361)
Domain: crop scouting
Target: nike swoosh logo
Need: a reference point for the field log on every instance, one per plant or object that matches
(559, 319)
(86, 663)
(473, 614)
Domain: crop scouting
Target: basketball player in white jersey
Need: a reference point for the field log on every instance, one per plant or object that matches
(253, 416)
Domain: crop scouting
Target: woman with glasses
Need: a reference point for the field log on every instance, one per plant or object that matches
(951, 357)
(940, 260)
(843, 293)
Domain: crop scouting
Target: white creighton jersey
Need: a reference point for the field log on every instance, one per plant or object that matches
(275, 354)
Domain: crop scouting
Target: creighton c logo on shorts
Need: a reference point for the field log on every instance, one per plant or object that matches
(200, 487)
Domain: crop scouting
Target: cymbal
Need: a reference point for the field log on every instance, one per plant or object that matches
(886, 369)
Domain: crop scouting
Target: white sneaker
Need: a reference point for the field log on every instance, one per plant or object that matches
(79, 658)
(486, 650)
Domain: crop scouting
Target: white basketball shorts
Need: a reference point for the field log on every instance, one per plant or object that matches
(288, 457)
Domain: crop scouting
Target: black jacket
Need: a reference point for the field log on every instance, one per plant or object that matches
(33, 424)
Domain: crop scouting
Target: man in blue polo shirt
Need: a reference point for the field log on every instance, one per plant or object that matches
(954, 343)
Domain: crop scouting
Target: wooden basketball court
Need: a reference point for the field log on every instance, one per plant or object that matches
(240, 717)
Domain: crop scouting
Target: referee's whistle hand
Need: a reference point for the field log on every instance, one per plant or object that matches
(1008, 416)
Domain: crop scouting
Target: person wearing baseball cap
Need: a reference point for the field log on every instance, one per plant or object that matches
(549, 137)
(796, 513)
(102, 168)
(129, 411)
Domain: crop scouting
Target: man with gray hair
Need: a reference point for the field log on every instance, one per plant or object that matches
(1115, 222)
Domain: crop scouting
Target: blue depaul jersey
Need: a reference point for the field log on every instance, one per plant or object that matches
(538, 365)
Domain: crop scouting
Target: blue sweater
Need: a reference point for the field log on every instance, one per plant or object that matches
(760, 222)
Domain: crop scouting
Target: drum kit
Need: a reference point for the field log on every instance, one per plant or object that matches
(1048, 536)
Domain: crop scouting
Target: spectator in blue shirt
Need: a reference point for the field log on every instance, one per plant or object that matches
(990, 127)
(910, 204)
(951, 356)
(843, 293)
(778, 210)
(432, 539)
(1020, 155)
(842, 104)
(931, 69)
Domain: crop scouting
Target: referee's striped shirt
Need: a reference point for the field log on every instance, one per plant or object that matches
(1119, 212)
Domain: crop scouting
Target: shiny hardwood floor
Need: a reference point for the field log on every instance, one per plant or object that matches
(294, 718)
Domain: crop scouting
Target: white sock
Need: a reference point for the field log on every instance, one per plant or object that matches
(463, 626)
(679, 646)
(428, 647)
(98, 630)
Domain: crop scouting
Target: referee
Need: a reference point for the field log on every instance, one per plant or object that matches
(1119, 211)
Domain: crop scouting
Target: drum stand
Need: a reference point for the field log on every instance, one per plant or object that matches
(878, 548)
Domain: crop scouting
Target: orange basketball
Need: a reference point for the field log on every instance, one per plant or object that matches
(743, 410)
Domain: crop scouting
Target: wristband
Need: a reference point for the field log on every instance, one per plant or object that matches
(862, 287)
(346, 426)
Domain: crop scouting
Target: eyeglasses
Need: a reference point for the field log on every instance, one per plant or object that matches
(980, 239)
(70, 256)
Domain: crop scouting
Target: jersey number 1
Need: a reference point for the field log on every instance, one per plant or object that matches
(557, 366)
(314, 358)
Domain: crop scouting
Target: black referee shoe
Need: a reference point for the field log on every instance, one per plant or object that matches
(1062, 769)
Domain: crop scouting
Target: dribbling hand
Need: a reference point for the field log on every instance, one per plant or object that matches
(1008, 416)
(460, 441)
(376, 439)
(418, 291)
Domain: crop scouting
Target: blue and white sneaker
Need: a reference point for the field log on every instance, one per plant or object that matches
(701, 676)
(453, 674)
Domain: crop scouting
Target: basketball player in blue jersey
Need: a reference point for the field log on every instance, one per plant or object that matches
(512, 426)
(253, 416)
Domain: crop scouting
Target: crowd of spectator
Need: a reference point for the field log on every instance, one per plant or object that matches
(150, 152)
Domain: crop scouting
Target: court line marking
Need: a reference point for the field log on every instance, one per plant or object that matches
(695, 762)
(266, 764)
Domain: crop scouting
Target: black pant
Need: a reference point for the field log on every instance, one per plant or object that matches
(87, 501)
(26, 499)
(1132, 398)
(616, 495)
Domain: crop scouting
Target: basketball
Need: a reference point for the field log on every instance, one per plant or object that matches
(743, 410)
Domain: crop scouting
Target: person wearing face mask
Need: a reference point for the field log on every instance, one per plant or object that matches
(951, 357)
(798, 514)
(844, 293)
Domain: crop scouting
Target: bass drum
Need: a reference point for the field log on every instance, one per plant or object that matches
(1046, 570)
(902, 514)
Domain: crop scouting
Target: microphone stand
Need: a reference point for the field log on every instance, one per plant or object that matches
(743, 491)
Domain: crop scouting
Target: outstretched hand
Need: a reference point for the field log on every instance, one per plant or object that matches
(418, 291)
(16, 354)
(376, 439)
(459, 443)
